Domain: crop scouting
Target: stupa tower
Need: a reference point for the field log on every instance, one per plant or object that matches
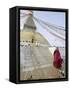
(27, 34)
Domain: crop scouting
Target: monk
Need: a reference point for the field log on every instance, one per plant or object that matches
(57, 62)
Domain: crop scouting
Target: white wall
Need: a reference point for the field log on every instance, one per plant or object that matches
(4, 44)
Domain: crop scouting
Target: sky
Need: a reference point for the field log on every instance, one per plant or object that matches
(57, 18)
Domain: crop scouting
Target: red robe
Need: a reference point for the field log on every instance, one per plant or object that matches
(57, 59)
